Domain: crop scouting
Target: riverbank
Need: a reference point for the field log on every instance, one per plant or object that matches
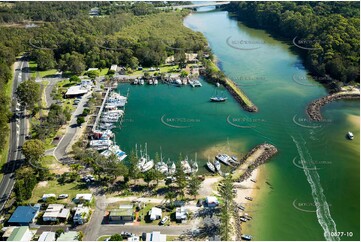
(314, 108)
(215, 75)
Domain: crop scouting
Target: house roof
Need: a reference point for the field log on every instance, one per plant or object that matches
(211, 199)
(155, 212)
(76, 90)
(18, 233)
(24, 214)
(56, 211)
(68, 236)
(121, 212)
(47, 236)
(86, 196)
(156, 236)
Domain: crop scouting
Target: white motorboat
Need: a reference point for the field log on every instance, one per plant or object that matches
(141, 82)
(224, 158)
(155, 82)
(211, 167)
(217, 165)
(350, 135)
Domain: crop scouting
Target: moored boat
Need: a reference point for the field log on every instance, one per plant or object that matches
(224, 158)
(217, 165)
(350, 135)
(211, 167)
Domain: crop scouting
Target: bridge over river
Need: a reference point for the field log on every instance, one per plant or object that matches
(193, 6)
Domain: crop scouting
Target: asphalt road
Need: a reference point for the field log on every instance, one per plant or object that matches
(17, 136)
(60, 150)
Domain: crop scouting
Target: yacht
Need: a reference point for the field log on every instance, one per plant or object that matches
(147, 166)
(350, 135)
(224, 158)
(194, 167)
(218, 99)
(135, 82)
(161, 167)
(186, 167)
(141, 82)
(211, 167)
(246, 237)
(217, 165)
(195, 83)
(155, 82)
(172, 169)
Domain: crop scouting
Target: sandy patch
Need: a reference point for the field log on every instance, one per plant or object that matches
(208, 186)
(354, 120)
(43, 184)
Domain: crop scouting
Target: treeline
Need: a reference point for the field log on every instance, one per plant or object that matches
(329, 31)
(45, 11)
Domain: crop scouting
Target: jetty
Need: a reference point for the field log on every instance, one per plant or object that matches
(101, 109)
(214, 75)
(314, 108)
(256, 157)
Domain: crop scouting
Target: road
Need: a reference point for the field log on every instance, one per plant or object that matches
(17, 135)
(61, 149)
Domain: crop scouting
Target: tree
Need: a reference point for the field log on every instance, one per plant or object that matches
(227, 207)
(149, 176)
(33, 150)
(44, 59)
(171, 196)
(133, 167)
(58, 232)
(184, 73)
(74, 79)
(180, 179)
(116, 237)
(193, 186)
(29, 93)
(80, 120)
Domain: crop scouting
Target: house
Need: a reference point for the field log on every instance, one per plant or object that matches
(92, 69)
(22, 233)
(46, 196)
(81, 198)
(24, 215)
(154, 236)
(113, 68)
(81, 215)
(68, 236)
(77, 90)
(7, 232)
(134, 238)
(56, 212)
(124, 213)
(181, 213)
(212, 201)
(155, 213)
(47, 236)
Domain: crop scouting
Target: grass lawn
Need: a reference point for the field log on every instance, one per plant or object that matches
(104, 71)
(4, 152)
(54, 187)
(163, 68)
(103, 238)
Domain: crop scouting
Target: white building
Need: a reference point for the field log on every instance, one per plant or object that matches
(46, 196)
(81, 215)
(86, 197)
(212, 201)
(55, 212)
(155, 213)
(114, 68)
(47, 236)
(22, 233)
(154, 236)
(181, 213)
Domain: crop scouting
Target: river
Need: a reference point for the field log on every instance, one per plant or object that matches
(315, 175)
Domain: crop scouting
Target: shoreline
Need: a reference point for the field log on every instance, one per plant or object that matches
(313, 109)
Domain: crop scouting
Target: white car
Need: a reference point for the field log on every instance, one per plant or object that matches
(164, 220)
(63, 196)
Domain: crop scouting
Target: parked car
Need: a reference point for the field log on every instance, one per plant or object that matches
(164, 220)
(63, 196)
(76, 101)
(126, 234)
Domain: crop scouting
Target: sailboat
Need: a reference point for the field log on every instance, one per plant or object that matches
(217, 165)
(211, 166)
(161, 166)
(195, 165)
(186, 167)
(145, 163)
(172, 169)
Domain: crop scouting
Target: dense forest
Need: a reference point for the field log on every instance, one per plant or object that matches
(329, 31)
(67, 38)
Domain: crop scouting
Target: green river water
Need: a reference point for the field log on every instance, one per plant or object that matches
(182, 120)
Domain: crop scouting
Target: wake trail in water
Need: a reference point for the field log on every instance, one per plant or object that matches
(322, 208)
